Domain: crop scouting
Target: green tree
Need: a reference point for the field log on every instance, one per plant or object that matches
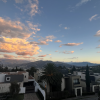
(73, 69)
(87, 79)
(32, 70)
(14, 89)
(52, 77)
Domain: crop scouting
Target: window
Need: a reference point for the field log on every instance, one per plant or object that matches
(25, 76)
(7, 78)
(76, 81)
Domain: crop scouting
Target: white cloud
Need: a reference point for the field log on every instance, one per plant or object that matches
(56, 51)
(4, 1)
(98, 33)
(18, 1)
(93, 17)
(82, 2)
(73, 58)
(65, 28)
(18, 8)
(98, 52)
(60, 25)
(34, 7)
(81, 49)
(98, 46)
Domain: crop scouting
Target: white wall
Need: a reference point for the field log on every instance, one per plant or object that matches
(63, 84)
(2, 77)
(22, 90)
(37, 86)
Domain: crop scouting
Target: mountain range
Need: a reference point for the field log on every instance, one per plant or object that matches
(39, 64)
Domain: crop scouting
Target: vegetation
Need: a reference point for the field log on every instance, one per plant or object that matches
(14, 89)
(87, 79)
(73, 69)
(31, 71)
(52, 77)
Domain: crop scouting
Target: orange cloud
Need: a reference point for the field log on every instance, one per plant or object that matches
(8, 56)
(58, 41)
(68, 52)
(42, 56)
(18, 46)
(13, 29)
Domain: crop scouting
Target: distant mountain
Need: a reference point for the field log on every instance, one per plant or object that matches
(82, 64)
(12, 62)
(40, 64)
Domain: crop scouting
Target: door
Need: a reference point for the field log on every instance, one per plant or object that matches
(78, 92)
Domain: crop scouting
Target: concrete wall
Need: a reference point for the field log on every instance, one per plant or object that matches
(83, 84)
(2, 77)
(22, 90)
(37, 86)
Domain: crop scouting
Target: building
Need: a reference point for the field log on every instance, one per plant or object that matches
(94, 80)
(69, 82)
(21, 77)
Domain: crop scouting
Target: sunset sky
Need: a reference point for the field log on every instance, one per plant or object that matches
(57, 30)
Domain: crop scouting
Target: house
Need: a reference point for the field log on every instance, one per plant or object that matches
(69, 82)
(94, 80)
(21, 77)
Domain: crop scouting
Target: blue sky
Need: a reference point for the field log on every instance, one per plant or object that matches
(57, 30)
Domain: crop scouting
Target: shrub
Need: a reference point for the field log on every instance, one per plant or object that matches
(88, 93)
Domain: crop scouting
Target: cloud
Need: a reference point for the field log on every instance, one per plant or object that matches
(8, 56)
(18, 8)
(71, 44)
(13, 29)
(33, 27)
(68, 52)
(39, 43)
(98, 46)
(18, 1)
(60, 25)
(81, 49)
(93, 17)
(98, 52)
(18, 46)
(34, 7)
(66, 28)
(56, 51)
(42, 56)
(4, 1)
(73, 58)
(98, 33)
(58, 41)
(82, 2)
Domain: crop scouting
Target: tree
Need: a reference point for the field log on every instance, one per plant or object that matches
(87, 79)
(73, 69)
(52, 76)
(32, 70)
(14, 89)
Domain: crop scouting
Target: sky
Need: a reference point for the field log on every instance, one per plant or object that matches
(57, 30)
